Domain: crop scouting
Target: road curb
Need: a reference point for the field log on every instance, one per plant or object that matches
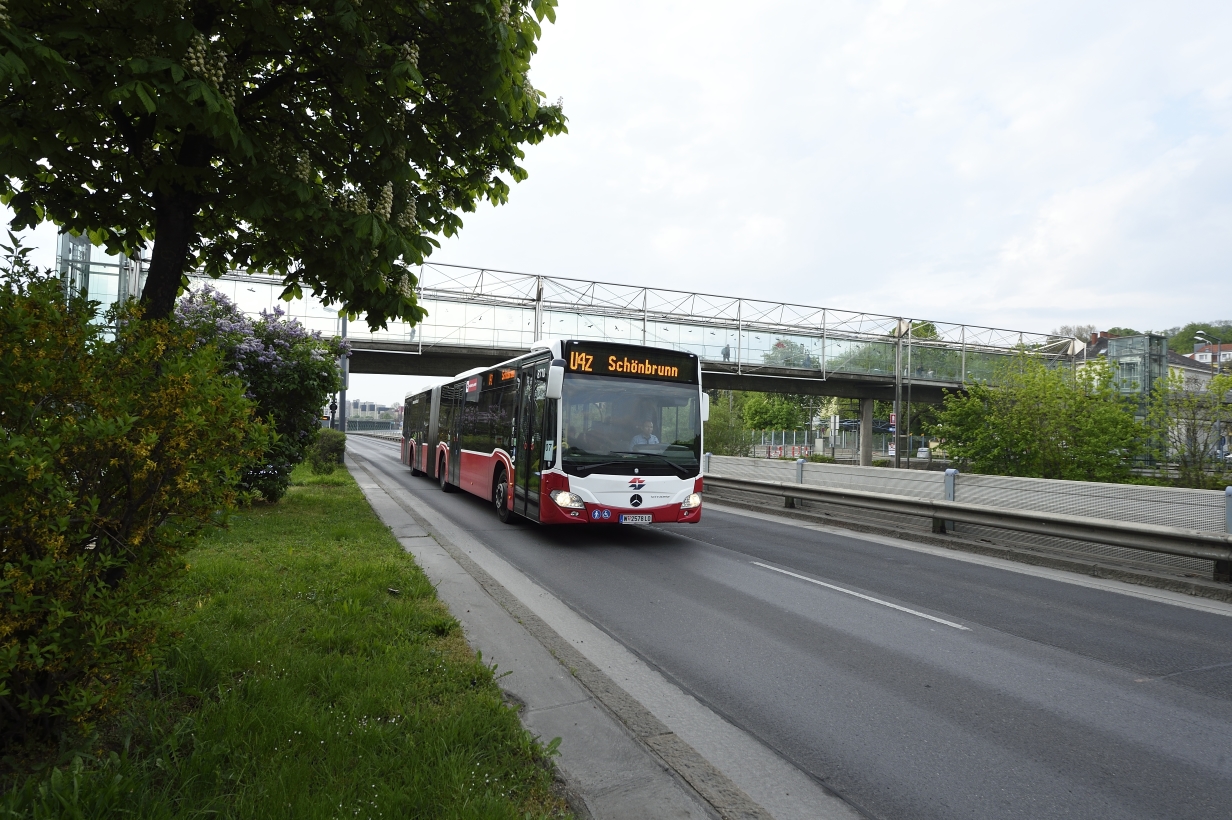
(712, 786)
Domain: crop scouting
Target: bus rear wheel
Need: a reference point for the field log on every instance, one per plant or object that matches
(500, 497)
(443, 477)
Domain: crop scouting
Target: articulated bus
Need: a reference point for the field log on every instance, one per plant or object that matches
(570, 433)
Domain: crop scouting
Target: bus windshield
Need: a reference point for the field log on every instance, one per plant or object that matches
(621, 426)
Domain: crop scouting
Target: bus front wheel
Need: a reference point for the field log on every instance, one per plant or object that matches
(500, 497)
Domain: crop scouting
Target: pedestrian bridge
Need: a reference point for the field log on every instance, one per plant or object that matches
(478, 316)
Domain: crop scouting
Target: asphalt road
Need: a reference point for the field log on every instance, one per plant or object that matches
(915, 686)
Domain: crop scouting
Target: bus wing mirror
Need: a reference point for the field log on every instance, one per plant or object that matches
(556, 378)
(705, 407)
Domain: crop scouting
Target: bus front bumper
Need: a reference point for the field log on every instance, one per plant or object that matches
(604, 514)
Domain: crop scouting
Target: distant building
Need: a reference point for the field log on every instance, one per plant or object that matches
(105, 277)
(1207, 353)
(1139, 361)
(360, 409)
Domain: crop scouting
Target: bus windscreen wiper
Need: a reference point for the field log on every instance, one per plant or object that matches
(685, 472)
(589, 467)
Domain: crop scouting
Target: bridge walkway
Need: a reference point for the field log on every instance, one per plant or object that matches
(477, 317)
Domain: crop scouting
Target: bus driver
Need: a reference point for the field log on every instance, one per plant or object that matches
(646, 436)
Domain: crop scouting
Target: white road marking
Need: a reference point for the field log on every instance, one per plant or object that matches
(1159, 596)
(863, 596)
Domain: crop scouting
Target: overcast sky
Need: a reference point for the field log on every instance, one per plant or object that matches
(1014, 164)
(1022, 165)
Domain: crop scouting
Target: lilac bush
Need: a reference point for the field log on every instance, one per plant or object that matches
(289, 372)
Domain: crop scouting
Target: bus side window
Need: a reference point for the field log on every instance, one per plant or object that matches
(489, 410)
(468, 428)
(506, 416)
(450, 398)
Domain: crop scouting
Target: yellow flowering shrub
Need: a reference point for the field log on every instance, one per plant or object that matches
(117, 447)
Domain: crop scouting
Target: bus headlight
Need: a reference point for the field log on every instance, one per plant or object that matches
(564, 498)
(694, 500)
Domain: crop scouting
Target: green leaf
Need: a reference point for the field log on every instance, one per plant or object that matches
(143, 93)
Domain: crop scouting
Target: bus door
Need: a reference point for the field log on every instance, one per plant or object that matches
(447, 432)
(533, 390)
(455, 439)
(429, 444)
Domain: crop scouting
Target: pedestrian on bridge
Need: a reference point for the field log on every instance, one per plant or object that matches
(727, 353)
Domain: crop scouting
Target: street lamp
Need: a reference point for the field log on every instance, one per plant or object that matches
(1202, 336)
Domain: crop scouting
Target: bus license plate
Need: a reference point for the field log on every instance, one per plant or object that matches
(636, 519)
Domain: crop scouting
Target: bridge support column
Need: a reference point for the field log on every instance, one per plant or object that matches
(866, 432)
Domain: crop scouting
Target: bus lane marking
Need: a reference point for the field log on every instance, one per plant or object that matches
(863, 596)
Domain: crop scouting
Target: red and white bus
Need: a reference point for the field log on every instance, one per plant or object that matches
(571, 433)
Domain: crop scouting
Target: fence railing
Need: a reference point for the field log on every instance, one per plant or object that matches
(844, 445)
(1173, 527)
(364, 425)
(775, 443)
(385, 435)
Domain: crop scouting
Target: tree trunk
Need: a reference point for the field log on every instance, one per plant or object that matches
(174, 231)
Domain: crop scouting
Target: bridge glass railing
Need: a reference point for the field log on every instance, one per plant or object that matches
(470, 307)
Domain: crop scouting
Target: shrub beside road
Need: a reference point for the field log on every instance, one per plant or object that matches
(115, 454)
(328, 452)
(289, 373)
(314, 675)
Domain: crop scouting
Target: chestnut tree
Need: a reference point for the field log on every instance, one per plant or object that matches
(326, 141)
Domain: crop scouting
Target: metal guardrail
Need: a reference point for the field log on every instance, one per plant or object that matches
(1150, 537)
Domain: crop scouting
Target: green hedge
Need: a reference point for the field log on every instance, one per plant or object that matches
(327, 451)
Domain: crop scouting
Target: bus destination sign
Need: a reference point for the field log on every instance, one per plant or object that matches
(633, 362)
(495, 378)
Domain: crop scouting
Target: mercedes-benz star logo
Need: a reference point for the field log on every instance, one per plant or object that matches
(636, 500)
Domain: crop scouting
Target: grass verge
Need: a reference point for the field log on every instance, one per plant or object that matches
(314, 674)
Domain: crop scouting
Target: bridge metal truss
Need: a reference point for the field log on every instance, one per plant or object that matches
(481, 308)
